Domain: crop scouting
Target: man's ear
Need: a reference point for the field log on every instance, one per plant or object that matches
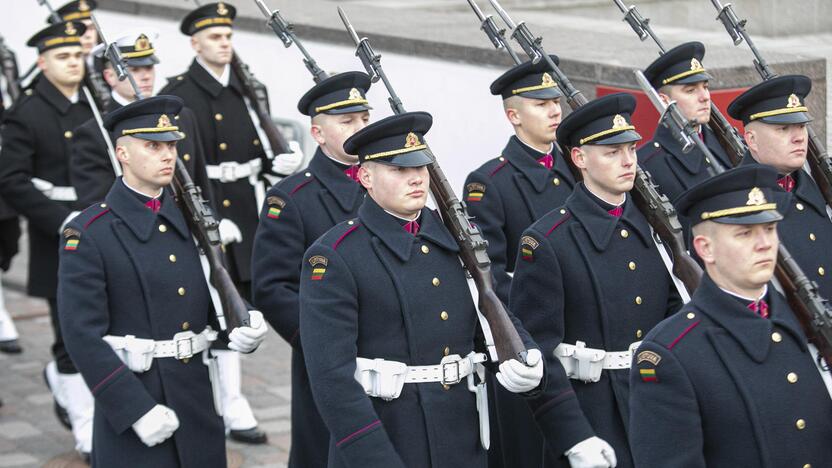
(195, 45)
(317, 134)
(578, 157)
(750, 138)
(365, 176)
(513, 116)
(704, 247)
(41, 62)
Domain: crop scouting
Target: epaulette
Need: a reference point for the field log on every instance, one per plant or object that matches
(674, 329)
(91, 215)
(500, 163)
(341, 231)
(308, 178)
(657, 148)
(174, 81)
(565, 217)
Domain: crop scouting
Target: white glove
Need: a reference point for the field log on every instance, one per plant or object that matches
(592, 453)
(229, 232)
(157, 425)
(517, 377)
(67, 220)
(247, 339)
(288, 163)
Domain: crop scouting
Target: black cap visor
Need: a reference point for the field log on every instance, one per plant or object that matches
(691, 79)
(348, 110)
(761, 217)
(627, 136)
(160, 136)
(148, 61)
(545, 93)
(785, 119)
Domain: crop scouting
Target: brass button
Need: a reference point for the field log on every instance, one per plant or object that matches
(791, 377)
(350, 222)
(624, 233)
(708, 160)
(631, 266)
(776, 337)
(181, 291)
(691, 315)
(638, 300)
(443, 315)
(799, 206)
(186, 157)
(176, 117)
(163, 228)
(447, 351)
(28, 92)
(656, 144)
(821, 271)
(223, 146)
(435, 281)
(172, 258)
(226, 203)
(556, 181)
(308, 174)
(425, 249)
(562, 211)
(217, 116)
(186, 325)
(446, 387)
(103, 205)
(639, 334)
(256, 142)
(807, 465)
(186, 360)
(812, 236)
(800, 424)
(501, 158)
(67, 134)
(180, 78)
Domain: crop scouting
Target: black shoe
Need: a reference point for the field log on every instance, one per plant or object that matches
(60, 411)
(252, 436)
(10, 347)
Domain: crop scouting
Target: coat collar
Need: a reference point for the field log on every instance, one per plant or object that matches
(138, 217)
(210, 84)
(599, 224)
(518, 155)
(50, 94)
(387, 228)
(343, 189)
(752, 332)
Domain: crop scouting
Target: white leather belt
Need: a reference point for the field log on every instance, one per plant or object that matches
(384, 379)
(231, 171)
(138, 353)
(586, 364)
(54, 192)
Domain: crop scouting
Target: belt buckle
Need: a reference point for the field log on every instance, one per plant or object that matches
(184, 348)
(228, 171)
(450, 369)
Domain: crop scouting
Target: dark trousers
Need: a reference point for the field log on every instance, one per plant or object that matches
(65, 364)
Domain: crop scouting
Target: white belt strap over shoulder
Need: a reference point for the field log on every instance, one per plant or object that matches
(231, 171)
(586, 364)
(138, 353)
(385, 379)
(54, 192)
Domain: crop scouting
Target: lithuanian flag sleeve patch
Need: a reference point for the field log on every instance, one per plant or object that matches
(319, 264)
(648, 375)
(528, 245)
(276, 205)
(73, 238)
(475, 192)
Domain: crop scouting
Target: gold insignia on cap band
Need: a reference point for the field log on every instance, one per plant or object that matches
(209, 21)
(83, 6)
(546, 82)
(70, 29)
(619, 124)
(345, 103)
(62, 40)
(756, 197)
(221, 9)
(738, 210)
(695, 68)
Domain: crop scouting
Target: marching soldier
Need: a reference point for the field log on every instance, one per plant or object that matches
(590, 281)
(775, 119)
(136, 308)
(505, 196)
(34, 180)
(299, 210)
(235, 154)
(387, 322)
(679, 76)
(91, 170)
(729, 380)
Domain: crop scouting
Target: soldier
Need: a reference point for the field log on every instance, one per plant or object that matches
(136, 307)
(505, 196)
(91, 170)
(34, 180)
(679, 76)
(729, 380)
(591, 281)
(298, 210)
(775, 119)
(387, 322)
(235, 153)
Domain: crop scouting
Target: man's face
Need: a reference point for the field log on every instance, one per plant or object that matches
(145, 78)
(781, 146)
(90, 37)
(535, 120)
(331, 131)
(214, 45)
(740, 258)
(694, 100)
(399, 190)
(147, 164)
(608, 170)
(63, 66)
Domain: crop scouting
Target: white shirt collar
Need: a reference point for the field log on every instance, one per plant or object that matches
(551, 147)
(226, 72)
(74, 98)
(404, 219)
(120, 99)
(161, 190)
(747, 299)
(604, 200)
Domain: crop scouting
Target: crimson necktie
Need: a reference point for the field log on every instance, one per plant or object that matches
(617, 211)
(547, 161)
(760, 308)
(412, 227)
(154, 204)
(787, 182)
(352, 172)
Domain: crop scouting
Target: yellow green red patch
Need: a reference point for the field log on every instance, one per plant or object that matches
(648, 375)
(319, 264)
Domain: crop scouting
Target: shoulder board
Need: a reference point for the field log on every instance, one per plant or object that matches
(90, 215)
(341, 231)
(565, 215)
(649, 150)
(308, 177)
(675, 328)
(500, 163)
(175, 81)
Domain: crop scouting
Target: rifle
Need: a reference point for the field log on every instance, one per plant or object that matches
(802, 294)
(8, 62)
(496, 35)
(285, 32)
(819, 162)
(655, 207)
(725, 133)
(472, 245)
